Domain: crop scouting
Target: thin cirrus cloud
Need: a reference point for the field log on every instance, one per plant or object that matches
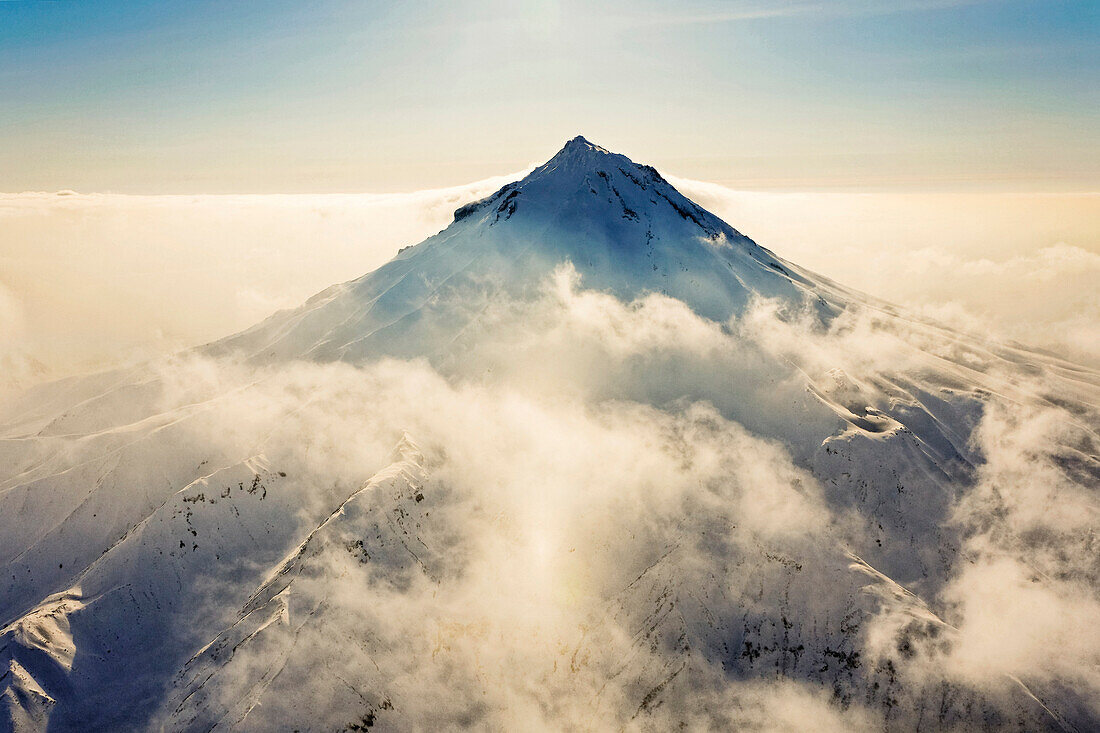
(835, 8)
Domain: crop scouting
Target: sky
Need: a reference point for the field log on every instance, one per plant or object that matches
(341, 96)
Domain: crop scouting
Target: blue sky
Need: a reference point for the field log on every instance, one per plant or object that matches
(335, 95)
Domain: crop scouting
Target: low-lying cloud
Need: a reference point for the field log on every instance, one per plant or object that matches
(544, 506)
(1014, 265)
(592, 541)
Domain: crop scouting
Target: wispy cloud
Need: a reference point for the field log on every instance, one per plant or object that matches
(765, 11)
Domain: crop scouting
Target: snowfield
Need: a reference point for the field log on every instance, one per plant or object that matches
(589, 458)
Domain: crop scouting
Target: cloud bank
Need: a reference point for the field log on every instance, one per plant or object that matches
(570, 504)
(104, 279)
(629, 516)
(1017, 266)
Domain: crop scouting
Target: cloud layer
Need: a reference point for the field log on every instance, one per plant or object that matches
(580, 499)
(633, 517)
(1017, 266)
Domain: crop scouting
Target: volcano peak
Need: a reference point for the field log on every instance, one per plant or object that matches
(624, 229)
(580, 144)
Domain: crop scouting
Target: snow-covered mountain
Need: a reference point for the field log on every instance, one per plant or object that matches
(625, 229)
(646, 475)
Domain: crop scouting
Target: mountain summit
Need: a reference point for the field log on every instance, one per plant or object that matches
(584, 181)
(621, 225)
